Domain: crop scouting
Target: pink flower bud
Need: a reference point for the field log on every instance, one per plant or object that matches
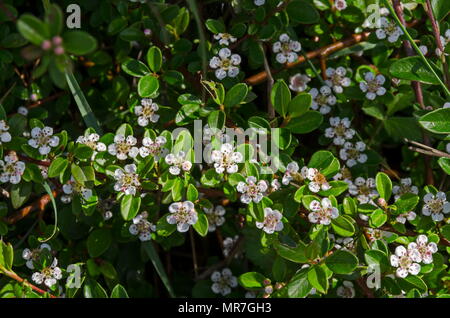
(147, 32)
(57, 40)
(46, 45)
(59, 50)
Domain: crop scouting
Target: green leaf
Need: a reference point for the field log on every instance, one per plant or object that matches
(343, 226)
(293, 254)
(341, 262)
(441, 8)
(78, 174)
(98, 242)
(154, 59)
(252, 280)
(306, 123)
(377, 258)
(414, 69)
(192, 193)
(302, 11)
(20, 194)
(384, 185)
(129, 206)
(235, 95)
(407, 202)
(445, 231)
(280, 97)
(201, 226)
(83, 106)
(119, 292)
(135, 68)
(79, 42)
(299, 286)
(377, 218)
(299, 105)
(337, 188)
(32, 29)
(444, 163)
(216, 119)
(148, 86)
(57, 167)
(54, 19)
(318, 279)
(437, 121)
(215, 26)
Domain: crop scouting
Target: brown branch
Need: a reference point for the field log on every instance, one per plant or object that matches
(16, 277)
(270, 82)
(31, 160)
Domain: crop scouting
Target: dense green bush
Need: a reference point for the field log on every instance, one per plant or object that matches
(256, 148)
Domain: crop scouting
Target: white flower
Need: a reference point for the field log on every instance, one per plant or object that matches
(423, 49)
(364, 189)
(344, 174)
(219, 134)
(353, 153)
(446, 105)
(215, 217)
(123, 147)
(73, 187)
(404, 187)
(373, 85)
(92, 141)
(401, 218)
(340, 130)
(48, 275)
(183, 214)
(22, 110)
(153, 147)
(298, 82)
(142, 227)
(317, 181)
(275, 185)
(259, 2)
(11, 169)
(177, 163)
(404, 262)
(252, 190)
(436, 206)
(286, 49)
(226, 159)
(388, 29)
(146, 112)
(336, 79)
(127, 180)
(228, 245)
(223, 282)
(5, 136)
(225, 38)
(322, 212)
(272, 221)
(340, 5)
(33, 255)
(377, 234)
(43, 139)
(292, 173)
(422, 250)
(322, 100)
(346, 290)
(225, 64)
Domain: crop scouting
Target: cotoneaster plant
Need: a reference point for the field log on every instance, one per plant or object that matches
(241, 148)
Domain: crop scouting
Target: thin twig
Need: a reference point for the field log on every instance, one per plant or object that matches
(194, 254)
(270, 82)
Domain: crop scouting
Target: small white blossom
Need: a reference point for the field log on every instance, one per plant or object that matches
(446, 105)
(298, 82)
(363, 189)
(177, 163)
(223, 282)
(340, 130)
(43, 139)
(127, 180)
(373, 85)
(219, 134)
(225, 64)
(225, 38)
(259, 2)
(33, 255)
(286, 49)
(322, 212)
(252, 190)
(322, 100)
(423, 49)
(5, 136)
(123, 147)
(340, 5)
(92, 141)
(272, 221)
(336, 79)
(146, 112)
(142, 227)
(401, 218)
(436, 206)
(153, 147)
(388, 29)
(346, 290)
(377, 234)
(404, 187)
(317, 180)
(353, 153)
(22, 110)
(11, 169)
(444, 40)
(228, 245)
(423, 249)
(215, 217)
(226, 159)
(71, 188)
(275, 185)
(343, 175)
(182, 214)
(48, 275)
(404, 262)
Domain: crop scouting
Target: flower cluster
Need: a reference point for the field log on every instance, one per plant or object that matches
(182, 214)
(223, 282)
(286, 49)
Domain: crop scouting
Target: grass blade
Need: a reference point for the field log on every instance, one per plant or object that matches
(86, 112)
(154, 257)
(55, 211)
